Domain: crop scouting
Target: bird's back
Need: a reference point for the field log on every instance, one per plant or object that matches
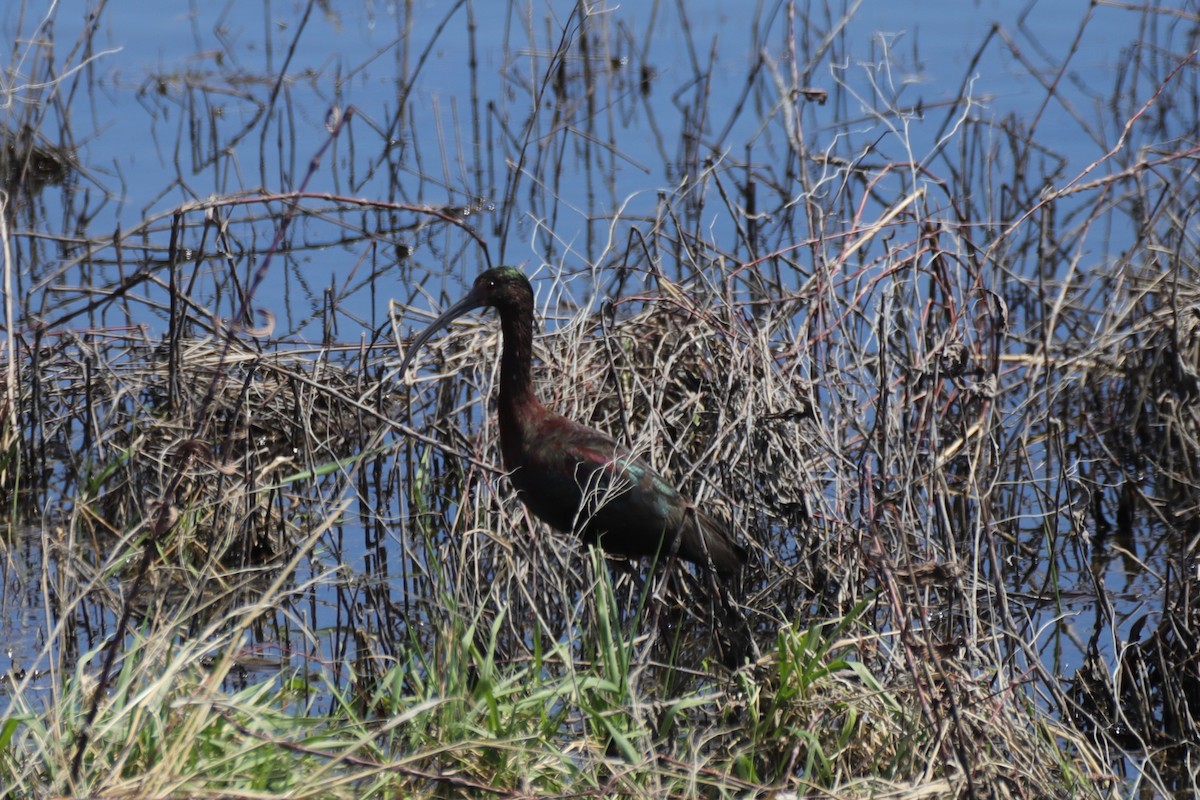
(577, 478)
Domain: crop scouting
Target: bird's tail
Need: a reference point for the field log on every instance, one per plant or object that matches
(711, 539)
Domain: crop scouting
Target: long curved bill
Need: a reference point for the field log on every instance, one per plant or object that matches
(472, 301)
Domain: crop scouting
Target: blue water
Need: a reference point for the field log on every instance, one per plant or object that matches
(911, 53)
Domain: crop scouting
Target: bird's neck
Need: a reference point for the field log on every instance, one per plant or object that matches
(517, 398)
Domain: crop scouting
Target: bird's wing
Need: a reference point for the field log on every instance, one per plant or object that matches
(595, 450)
(576, 470)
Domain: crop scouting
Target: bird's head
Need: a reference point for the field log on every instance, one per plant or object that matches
(500, 288)
(505, 289)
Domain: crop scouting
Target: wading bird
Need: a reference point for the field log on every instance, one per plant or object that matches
(573, 477)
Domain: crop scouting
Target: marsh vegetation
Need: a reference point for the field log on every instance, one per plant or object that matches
(942, 374)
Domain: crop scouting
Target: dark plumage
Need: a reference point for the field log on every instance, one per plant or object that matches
(569, 475)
